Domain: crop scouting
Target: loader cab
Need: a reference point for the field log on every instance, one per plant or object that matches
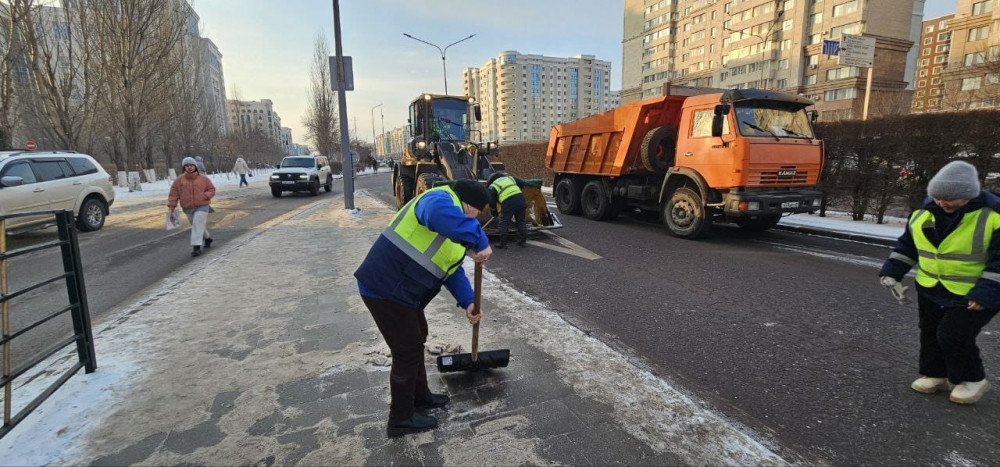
(440, 119)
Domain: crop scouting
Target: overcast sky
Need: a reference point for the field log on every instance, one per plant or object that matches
(267, 46)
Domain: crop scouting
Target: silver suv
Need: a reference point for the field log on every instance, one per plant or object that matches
(302, 173)
(53, 181)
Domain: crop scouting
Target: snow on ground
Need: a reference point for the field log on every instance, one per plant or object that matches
(842, 222)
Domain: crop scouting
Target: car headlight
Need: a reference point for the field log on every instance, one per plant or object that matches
(275, 177)
(303, 176)
(421, 145)
(753, 206)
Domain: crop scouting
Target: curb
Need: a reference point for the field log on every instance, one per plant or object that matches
(835, 234)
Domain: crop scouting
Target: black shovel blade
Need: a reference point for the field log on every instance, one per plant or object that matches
(463, 361)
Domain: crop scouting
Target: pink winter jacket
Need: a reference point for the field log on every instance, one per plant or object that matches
(192, 190)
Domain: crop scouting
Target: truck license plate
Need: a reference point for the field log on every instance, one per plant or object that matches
(790, 204)
(289, 182)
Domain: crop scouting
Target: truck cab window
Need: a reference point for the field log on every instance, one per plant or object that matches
(702, 124)
(772, 119)
(447, 119)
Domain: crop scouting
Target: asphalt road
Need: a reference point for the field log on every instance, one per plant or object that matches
(131, 252)
(786, 333)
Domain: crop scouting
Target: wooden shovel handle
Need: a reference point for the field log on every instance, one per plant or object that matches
(475, 310)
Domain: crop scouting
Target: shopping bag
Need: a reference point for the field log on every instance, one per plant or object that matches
(173, 220)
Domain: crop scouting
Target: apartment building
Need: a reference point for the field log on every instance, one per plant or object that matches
(256, 116)
(972, 77)
(286, 141)
(772, 44)
(522, 95)
(935, 43)
(214, 84)
(392, 143)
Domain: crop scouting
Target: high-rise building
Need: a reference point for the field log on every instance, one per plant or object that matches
(935, 42)
(255, 116)
(522, 96)
(214, 83)
(392, 143)
(773, 44)
(972, 77)
(286, 141)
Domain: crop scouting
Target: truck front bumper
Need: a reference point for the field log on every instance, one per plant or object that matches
(291, 185)
(771, 202)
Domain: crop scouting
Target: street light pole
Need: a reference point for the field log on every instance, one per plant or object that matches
(443, 52)
(347, 167)
(374, 143)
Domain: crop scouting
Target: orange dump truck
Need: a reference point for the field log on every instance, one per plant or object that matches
(694, 156)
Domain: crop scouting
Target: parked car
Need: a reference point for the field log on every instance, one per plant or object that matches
(302, 173)
(54, 180)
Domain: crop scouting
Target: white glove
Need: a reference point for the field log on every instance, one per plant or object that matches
(897, 288)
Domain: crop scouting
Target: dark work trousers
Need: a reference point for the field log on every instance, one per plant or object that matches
(948, 341)
(513, 207)
(243, 180)
(405, 330)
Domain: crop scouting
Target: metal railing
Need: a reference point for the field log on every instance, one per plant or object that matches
(76, 291)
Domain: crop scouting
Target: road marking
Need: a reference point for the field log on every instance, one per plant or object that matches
(567, 247)
(842, 257)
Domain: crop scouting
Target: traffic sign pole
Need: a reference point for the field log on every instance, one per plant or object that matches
(868, 91)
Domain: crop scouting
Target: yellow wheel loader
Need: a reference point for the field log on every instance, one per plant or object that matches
(443, 148)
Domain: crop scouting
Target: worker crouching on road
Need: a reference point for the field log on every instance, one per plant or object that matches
(421, 250)
(506, 190)
(954, 241)
(194, 191)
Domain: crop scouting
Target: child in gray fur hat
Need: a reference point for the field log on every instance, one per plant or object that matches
(953, 240)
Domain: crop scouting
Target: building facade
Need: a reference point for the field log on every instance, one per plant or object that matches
(286, 141)
(392, 143)
(935, 43)
(522, 96)
(972, 75)
(256, 116)
(772, 44)
(214, 84)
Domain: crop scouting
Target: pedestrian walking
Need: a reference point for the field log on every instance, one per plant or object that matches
(201, 165)
(421, 250)
(953, 239)
(506, 190)
(242, 170)
(194, 192)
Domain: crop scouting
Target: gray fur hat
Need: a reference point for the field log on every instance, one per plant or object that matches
(956, 180)
(188, 161)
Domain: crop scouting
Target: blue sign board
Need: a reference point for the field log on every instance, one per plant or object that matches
(831, 47)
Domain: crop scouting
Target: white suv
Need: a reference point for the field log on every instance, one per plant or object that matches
(302, 173)
(53, 181)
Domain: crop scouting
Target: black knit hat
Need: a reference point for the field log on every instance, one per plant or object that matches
(472, 193)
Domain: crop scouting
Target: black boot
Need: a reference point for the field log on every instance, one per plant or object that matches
(435, 402)
(522, 242)
(414, 424)
(196, 251)
(208, 242)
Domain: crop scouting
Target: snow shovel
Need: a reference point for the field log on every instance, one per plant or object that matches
(476, 360)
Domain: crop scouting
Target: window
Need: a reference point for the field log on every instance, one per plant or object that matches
(935, 81)
(923, 73)
(842, 73)
(927, 51)
(940, 58)
(786, 25)
(982, 7)
(937, 70)
(840, 94)
(944, 36)
(816, 18)
(921, 83)
(812, 60)
(975, 58)
(702, 124)
(810, 79)
(976, 34)
(969, 84)
(51, 170)
(992, 78)
(20, 169)
(845, 8)
(942, 48)
(920, 94)
(852, 28)
(927, 41)
(929, 29)
(81, 166)
(786, 44)
(788, 5)
(782, 83)
(783, 64)
(925, 62)
(815, 39)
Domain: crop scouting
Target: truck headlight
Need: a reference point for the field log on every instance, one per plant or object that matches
(815, 203)
(753, 206)
(421, 145)
(275, 177)
(303, 176)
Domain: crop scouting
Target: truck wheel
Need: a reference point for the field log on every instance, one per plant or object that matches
(657, 150)
(91, 215)
(404, 189)
(595, 201)
(426, 182)
(276, 192)
(760, 224)
(314, 187)
(329, 184)
(567, 195)
(684, 214)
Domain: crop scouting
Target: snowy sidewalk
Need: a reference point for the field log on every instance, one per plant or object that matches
(261, 352)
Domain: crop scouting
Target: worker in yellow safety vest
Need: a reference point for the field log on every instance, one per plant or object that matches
(422, 249)
(953, 239)
(505, 191)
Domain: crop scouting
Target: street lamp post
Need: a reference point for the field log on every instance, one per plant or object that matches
(443, 51)
(374, 142)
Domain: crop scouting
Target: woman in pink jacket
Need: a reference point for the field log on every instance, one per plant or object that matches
(194, 191)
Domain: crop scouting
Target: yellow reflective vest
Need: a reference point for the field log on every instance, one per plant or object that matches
(959, 261)
(434, 252)
(505, 187)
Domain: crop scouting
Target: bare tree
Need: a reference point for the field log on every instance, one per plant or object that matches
(136, 42)
(321, 117)
(11, 62)
(187, 123)
(65, 82)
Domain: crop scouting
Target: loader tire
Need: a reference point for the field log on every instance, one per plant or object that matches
(404, 189)
(595, 201)
(684, 214)
(657, 150)
(567, 195)
(425, 182)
